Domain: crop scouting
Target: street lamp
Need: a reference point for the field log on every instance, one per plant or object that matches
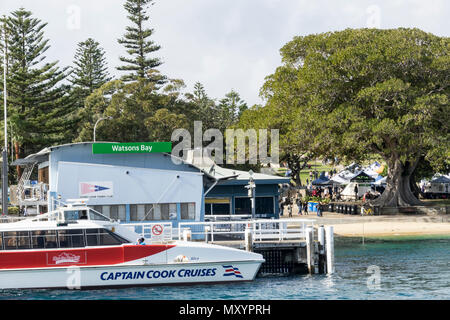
(95, 126)
(251, 192)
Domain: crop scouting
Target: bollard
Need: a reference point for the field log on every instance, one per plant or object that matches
(310, 250)
(187, 235)
(248, 238)
(330, 249)
(321, 238)
(207, 230)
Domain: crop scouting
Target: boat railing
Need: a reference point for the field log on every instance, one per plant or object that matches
(261, 229)
(9, 219)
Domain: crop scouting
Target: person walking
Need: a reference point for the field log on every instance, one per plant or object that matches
(305, 207)
(319, 209)
(281, 207)
(299, 205)
(356, 192)
(290, 210)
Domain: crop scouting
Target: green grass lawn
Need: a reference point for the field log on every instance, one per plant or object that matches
(315, 165)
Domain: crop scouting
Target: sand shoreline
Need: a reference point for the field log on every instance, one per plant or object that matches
(382, 226)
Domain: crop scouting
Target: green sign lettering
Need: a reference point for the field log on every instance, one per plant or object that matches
(132, 147)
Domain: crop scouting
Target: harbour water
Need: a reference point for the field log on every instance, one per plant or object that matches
(392, 269)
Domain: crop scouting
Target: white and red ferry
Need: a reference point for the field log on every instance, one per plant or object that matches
(75, 247)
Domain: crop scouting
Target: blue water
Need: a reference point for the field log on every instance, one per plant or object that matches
(411, 269)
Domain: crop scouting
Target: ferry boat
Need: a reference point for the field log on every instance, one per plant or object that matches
(75, 247)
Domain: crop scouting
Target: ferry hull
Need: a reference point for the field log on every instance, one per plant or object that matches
(79, 277)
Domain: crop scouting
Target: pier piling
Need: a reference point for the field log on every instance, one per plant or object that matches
(310, 250)
(329, 234)
(248, 238)
(321, 253)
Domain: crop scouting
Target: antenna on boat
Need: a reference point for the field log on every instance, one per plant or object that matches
(5, 148)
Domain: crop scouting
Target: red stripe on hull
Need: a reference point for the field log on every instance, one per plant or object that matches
(24, 259)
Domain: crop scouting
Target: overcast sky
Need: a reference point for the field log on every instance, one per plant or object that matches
(224, 44)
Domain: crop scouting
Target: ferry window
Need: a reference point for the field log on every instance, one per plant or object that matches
(71, 238)
(50, 239)
(23, 240)
(83, 215)
(41, 239)
(103, 237)
(1, 241)
(71, 215)
(38, 239)
(10, 239)
(17, 240)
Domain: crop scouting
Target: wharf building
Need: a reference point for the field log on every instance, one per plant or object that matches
(136, 187)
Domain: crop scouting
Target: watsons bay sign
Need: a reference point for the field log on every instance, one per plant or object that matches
(132, 147)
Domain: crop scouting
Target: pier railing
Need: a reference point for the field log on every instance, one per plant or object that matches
(261, 229)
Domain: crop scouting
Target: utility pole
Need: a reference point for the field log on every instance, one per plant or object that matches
(5, 148)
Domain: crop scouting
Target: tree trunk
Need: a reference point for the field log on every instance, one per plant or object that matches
(18, 154)
(398, 191)
(296, 164)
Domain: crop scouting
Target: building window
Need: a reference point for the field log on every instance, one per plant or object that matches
(263, 205)
(117, 212)
(187, 211)
(218, 206)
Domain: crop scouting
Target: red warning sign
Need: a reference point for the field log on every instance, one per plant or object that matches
(157, 229)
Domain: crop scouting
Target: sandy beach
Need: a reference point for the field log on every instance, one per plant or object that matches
(374, 229)
(381, 226)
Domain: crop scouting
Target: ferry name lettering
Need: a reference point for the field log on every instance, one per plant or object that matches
(156, 274)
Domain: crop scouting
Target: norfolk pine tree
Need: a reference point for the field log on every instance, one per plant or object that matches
(139, 47)
(90, 72)
(39, 109)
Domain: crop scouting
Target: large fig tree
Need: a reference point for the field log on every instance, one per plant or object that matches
(355, 94)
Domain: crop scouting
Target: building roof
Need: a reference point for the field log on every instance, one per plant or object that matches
(232, 176)
(206, 166)
(441, 179)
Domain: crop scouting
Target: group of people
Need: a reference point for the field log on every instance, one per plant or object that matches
(328, 192)
(301, 205)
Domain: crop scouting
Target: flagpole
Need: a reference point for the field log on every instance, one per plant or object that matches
(5, 149)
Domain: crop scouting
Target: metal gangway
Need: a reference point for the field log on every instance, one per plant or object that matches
(261, 229)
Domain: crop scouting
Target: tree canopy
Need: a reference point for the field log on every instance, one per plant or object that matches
(355, 93)
(39, 108)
